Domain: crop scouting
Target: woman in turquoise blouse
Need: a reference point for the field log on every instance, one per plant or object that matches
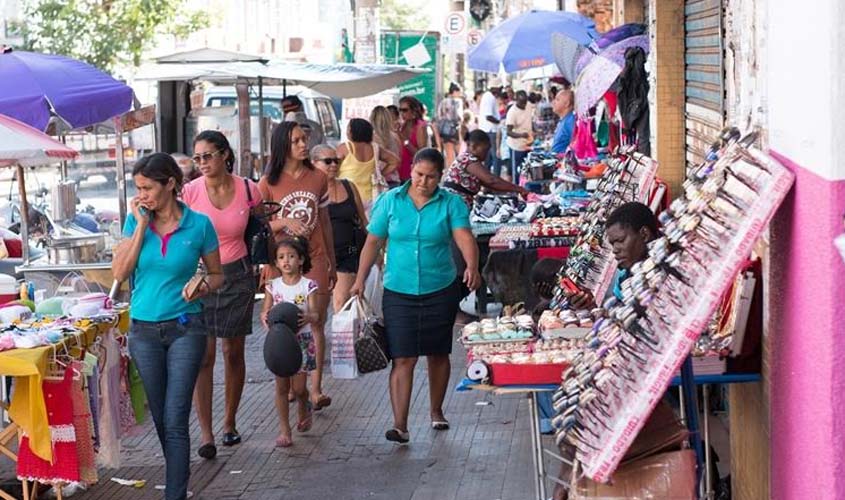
(419, 221)
(164, 243)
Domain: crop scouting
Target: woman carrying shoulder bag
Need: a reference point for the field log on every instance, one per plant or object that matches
(227, 200)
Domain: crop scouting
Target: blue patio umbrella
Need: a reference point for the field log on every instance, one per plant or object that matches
(36, 87)
(524, 41)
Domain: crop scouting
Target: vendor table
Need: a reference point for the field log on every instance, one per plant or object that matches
(690, 417)
(29, 366)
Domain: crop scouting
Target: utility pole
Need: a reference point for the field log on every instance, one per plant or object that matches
(460, 58)
(366, 31)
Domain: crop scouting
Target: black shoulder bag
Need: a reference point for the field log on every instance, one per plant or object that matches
(258, 236)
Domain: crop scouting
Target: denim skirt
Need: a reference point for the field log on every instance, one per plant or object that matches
(420, 325)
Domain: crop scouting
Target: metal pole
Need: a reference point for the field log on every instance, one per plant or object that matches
(245, 136)
(537, 448)
(120, 165)
(708, 487)
(262, 129)
(24, 206)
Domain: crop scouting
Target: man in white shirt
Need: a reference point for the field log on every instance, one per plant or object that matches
(520, 135)
(488, 120)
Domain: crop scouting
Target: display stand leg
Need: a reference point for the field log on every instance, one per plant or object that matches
(691, 412)
(537, 448)
(708, 474)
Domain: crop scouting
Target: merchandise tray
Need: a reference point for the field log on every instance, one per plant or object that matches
(499, 341)
(512, 374)
(571, 333)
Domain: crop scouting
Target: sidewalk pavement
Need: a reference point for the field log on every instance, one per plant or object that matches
(486, 455)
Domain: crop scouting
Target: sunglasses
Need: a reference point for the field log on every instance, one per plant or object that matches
(204, 157)
(404, 110)
(330, 161)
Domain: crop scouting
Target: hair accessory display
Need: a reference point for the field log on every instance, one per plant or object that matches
(638, 343)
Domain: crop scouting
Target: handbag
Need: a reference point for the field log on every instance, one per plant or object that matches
(257, 235)
(371, 343)
(448, 129)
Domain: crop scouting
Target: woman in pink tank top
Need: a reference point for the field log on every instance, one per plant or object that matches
(226, 199)
(413, 133)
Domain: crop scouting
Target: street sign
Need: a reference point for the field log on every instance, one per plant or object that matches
(456, 23)
(474, 37)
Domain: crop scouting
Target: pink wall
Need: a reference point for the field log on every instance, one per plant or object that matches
(807, 336)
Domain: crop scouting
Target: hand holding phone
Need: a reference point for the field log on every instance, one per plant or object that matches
(142, 215)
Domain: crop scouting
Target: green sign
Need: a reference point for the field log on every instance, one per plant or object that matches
(424, 86)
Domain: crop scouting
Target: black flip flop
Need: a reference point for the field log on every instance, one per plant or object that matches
(207, 451)
(231, 438)
(397, 436)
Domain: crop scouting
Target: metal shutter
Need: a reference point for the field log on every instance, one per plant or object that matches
(704, 76)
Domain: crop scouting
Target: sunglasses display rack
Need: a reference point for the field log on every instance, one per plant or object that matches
(638, 343)
(590, 265)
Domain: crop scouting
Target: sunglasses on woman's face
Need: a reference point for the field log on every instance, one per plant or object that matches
(329, 161)
(404, 110)
(204, 157)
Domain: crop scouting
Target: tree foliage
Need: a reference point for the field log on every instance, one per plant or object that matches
(106, 33)
(403, 15)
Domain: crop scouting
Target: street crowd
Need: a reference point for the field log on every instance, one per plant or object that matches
(396, 194)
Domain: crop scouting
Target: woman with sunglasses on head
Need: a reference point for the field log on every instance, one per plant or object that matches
(165, 242)
(413, 132)
(302, 191)
(226, 199)
(349, 219)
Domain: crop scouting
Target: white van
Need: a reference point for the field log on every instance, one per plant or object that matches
(317, 106)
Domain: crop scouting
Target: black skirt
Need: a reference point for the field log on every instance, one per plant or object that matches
(228, 310)
(420, 325)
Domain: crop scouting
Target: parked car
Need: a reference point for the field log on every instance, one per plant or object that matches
(317, 106)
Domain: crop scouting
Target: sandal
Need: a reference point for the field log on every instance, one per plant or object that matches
(305, 424)
(398, 436)
(284, 442)
(207, 451)
(323, 401)
(231, 438)
(440, 425)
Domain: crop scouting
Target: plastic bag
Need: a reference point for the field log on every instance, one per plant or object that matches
(345, 325)
(374, 291)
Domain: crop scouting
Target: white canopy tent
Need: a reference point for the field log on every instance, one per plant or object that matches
(336, 80)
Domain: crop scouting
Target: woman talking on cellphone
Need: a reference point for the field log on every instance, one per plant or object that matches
(165, 242)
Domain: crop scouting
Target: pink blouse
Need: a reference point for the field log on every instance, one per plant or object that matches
(230, 222)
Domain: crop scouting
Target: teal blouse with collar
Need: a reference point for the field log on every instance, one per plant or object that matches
(166, 263)
(419, 253)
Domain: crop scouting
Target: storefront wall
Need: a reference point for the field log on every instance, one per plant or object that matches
(804, 61)
(783, 67)
(783, 74)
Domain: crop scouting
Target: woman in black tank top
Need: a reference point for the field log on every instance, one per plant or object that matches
(349, 222)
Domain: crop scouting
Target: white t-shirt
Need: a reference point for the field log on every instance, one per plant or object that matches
(487, 108)
(521, 121)
(295, 294)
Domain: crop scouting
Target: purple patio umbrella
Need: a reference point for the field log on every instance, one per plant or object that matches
(602, 71)
(35, 87)
(607, 39)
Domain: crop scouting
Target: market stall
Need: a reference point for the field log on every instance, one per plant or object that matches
(71, 99)
(59, 353)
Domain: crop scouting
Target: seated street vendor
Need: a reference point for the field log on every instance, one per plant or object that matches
(467, 174)
(628, 230)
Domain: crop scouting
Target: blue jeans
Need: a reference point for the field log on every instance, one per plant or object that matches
(168, 355)
(517, 157)
(492, 162)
